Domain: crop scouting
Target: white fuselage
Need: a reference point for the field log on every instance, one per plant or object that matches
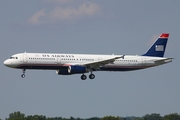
(58, 61)
(67, 64)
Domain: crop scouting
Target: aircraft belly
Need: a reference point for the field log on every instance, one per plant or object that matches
(42, 66)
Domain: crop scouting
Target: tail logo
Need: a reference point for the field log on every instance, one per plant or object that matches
(159, 47)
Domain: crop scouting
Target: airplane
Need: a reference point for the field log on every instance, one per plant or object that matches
(68, 64)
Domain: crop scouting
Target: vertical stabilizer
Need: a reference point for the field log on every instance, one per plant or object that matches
(159, 47)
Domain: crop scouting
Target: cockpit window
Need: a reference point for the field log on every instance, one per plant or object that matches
(13, 57)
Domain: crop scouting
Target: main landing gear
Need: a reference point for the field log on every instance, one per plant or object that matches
(91, 76)
(23, 75)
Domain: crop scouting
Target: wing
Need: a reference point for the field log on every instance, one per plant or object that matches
(97, 64)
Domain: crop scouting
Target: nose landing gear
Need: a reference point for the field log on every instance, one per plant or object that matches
(23, 75)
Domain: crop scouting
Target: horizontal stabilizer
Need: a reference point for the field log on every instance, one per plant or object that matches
(164, 60)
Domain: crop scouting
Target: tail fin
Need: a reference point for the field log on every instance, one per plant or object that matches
(159, 47)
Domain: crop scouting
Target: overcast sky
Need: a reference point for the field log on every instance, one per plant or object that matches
(89, 26)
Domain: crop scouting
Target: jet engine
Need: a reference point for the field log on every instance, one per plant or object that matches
(77, 69)
(62, 72)
(72, 70)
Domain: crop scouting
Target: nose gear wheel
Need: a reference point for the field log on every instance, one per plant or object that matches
(23, 75)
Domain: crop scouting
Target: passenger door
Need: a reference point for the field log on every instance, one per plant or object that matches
(58, 60)
(24, 58)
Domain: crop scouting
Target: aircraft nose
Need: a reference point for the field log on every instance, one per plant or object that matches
(6, 63)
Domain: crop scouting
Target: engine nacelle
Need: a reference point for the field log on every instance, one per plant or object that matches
(62, 72)
(77, 69)
(72, 70)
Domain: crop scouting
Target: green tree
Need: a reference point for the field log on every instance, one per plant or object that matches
(71, 118)
(173, 116)
(30, 117)
(78, 118)
(153, 116)
(110, 118)
(139, 119)
(50, 119)
(93, 118)
(56, 118)
(16, 116)
(39, 117)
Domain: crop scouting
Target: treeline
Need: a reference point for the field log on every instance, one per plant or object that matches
(21, 116)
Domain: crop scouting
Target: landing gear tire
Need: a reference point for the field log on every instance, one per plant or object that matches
(83, 77)
(23, 75)
(91, 76)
